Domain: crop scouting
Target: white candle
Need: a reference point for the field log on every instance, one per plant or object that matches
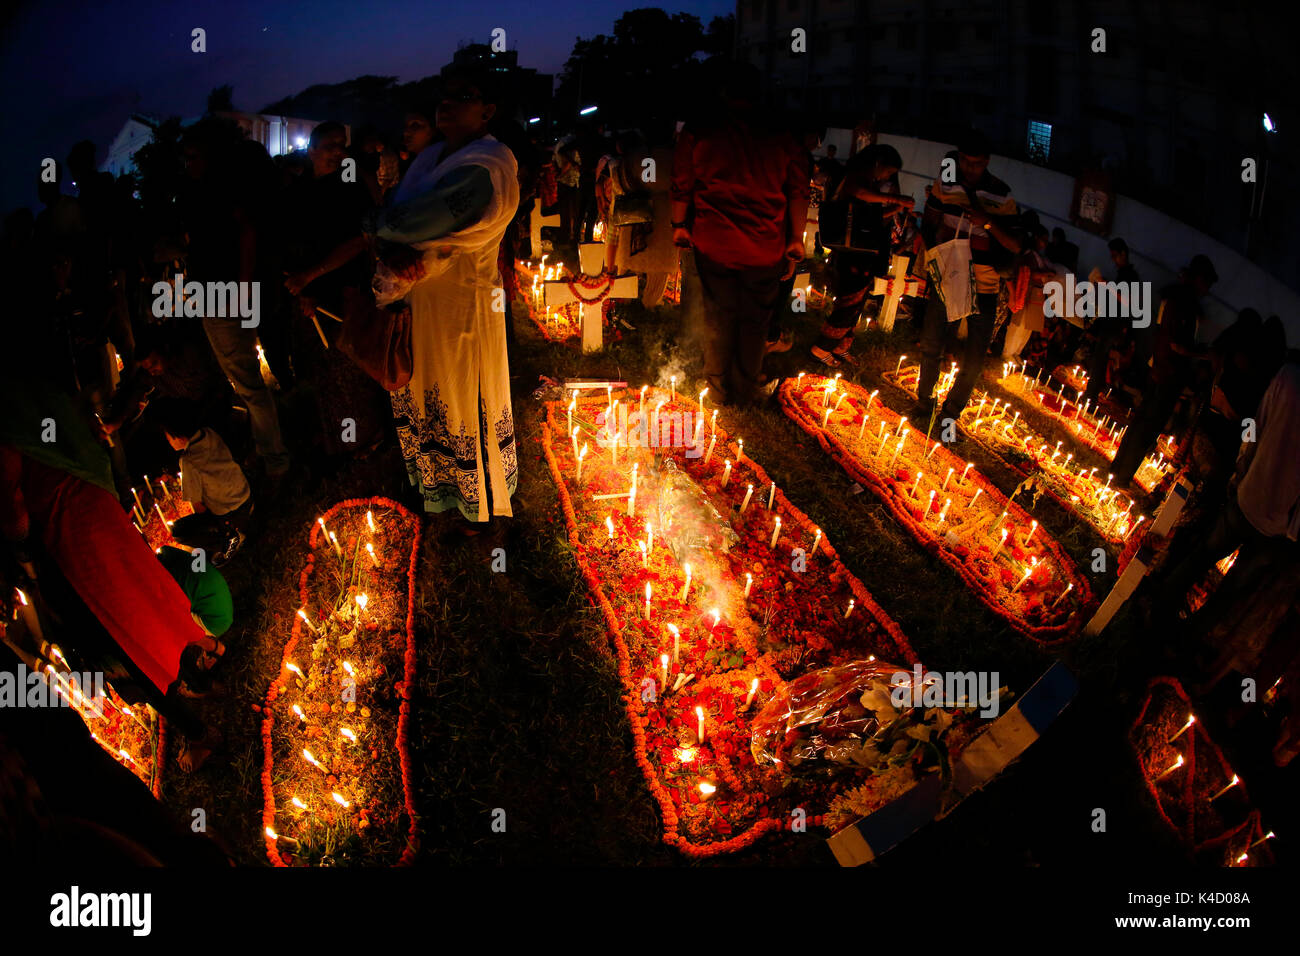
(944, 513)
(572, 405)
(862, 429)
(893, 460)
(677, 638)
(631, 498)
(843, 395)
(647, 588)
(1033, 526)
(744, 504)
(581, 455)
(749, 583)
(137, 500)
(917, 484)
(641, 406)
(776, 531)
(702, 394)
(160, 514)
(302, 613)
(899, 366)
(654, 439)
(713, 440)
(817, 540)
(871, 398)
(649, 538)
(335, 541)
(726, 475)
(686, 588)
(740, 449)
(978, 492)
(945, 480)
(1172, 767)
(1062, 595)
(1000, 543)
(574, 435)
(881, 450)
(663, 665)
(1028, 572)
(699, 715)
(641, 545)
(930, 503)
(771, 496)
(826, 417)
(753, 689)
(609, 526)
(850, 610)
(370, 550)
(1191, 719)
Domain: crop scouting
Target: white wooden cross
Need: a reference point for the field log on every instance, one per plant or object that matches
(893, 288)
(591, 256)
(536, 222)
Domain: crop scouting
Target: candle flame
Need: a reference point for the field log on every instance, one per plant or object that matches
(348, 734)
(362, 601)
(338, 798)
(370, 520)
(299, 804)
(707, 788)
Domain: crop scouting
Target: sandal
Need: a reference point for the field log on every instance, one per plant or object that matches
(826, 358)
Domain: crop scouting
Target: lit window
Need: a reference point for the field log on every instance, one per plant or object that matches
(1038, 143)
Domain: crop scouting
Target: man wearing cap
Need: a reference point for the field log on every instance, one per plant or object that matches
(1173, 350)
(979, 201)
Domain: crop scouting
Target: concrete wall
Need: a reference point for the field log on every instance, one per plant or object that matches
(1158, 244)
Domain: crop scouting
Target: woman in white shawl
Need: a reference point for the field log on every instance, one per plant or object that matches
(438, 251)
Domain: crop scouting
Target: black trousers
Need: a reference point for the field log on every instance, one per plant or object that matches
(211, 532)
(970, 359)
(1158, 404)
(738, 308)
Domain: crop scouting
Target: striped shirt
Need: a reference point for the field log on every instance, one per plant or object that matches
(948, 205)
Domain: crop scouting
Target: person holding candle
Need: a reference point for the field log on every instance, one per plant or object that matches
(212, 482)
(454, 419)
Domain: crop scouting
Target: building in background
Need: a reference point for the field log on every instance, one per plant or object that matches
(529, 91)
(1170, 111)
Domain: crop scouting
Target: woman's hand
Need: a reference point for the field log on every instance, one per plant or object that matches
(402, 260)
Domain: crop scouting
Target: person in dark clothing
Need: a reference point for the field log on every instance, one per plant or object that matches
(1108, 331)
(982, 202)
(1174, 350)
(1061, 251)
(740, 198)
(833, 169)
(870, 200)
(592, 144)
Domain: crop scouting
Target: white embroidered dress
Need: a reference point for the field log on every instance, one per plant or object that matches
(454, 419)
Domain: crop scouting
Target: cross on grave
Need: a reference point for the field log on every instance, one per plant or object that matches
(893, 288)
(535, 224)
(591, 289)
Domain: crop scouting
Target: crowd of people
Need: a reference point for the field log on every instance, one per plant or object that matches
(379, 264)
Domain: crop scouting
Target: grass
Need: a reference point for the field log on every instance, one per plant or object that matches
(517, 704)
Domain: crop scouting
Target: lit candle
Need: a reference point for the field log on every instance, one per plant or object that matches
(1172, 767)
(1033, 526)
(871, 398)
(302, 613)
(1191, 719)
(898, 368)
(917, 484)
(613, 450)
(631, 498)
(350, 736)
(641, 545)
(649, 538)
(930, 503)
(686, 588)
(293, 668)
(654, 441)
(897, 450)
(749, 583)
(581, 455)
(717, 617)
(713, 440)
(677, 639)
(672, 379)
(1000, 543)
(901, 427)
(826, 417)
(945, 480)
(881, 450)
(863, 427)
(370, 521)
(572, 405)
(932, 451)
(609, 525)
(1231, 783)
(771, 496)
(944, 513)
(744, 504)
(699, 716)
(1062, 595)
(1267, 836)
(641, 406)
(843, 395)
(817, 540)
(1028, 572)
(726, 474)
(663, 669)
(158, 509)
(740, 449)
(306, 754)
(137, 500)
(335, 541)
(753, 689)
(702, 394)
(647, 589)
(370, 549)
(362, 601)
(776, 531)
(1140, 519)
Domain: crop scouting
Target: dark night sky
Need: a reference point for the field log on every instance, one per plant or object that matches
(71, 71)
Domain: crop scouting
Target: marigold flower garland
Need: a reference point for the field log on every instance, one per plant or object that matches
(560, 323)
(1166, 740)
(349, 521)
(1007, 436)
(1040, 593)
(723, 654)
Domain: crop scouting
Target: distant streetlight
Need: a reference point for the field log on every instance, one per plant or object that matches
(1269, 125)
(589, 109)
(535, 119)
(300, 143)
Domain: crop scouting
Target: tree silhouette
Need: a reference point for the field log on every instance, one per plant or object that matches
(220, 100)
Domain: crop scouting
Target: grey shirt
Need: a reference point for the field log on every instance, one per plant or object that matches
(210, 476)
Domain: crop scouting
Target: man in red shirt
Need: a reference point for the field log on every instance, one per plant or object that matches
(740, 198)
